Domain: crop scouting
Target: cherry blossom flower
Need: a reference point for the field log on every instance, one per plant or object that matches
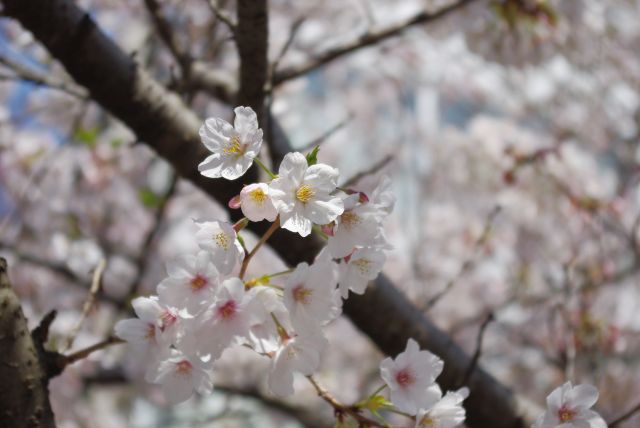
(411, 378)
(256, 203)
(446, 413)
(355, 227)
(233, 147)
(226, 322)
(310, 294)
(302, 194)
(192, 282)
(264, 335)
(569, 407)
(220, 240)
(362, 266)
(155, 327)
(181, 375)
(300, 354)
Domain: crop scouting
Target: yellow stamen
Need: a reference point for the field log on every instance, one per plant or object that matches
(222, 240)
(234, 147)
(258, 195)
(305, 193)
(349, 219)
(363, 265)
(427, 421)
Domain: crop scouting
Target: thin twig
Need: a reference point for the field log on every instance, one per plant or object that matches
(292, 35)
(476, 355)
(341, 409)
(57, 268)
(222, 15)
(167, 34)
(372, 170)
(367, 39)
(263, 239)
(88, 304)
(25, 73)
(470, 262)
(325, 135)
(142, 260)
(623, 417)
(84, 353)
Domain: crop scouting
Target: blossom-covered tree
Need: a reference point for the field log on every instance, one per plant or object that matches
(216, 182)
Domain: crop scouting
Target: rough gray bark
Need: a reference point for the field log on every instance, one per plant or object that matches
(163, 121)
(24, 394)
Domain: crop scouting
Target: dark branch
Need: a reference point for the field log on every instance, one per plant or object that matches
(24, 395)
(368, 39)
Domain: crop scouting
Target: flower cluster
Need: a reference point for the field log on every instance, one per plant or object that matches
(205, 306)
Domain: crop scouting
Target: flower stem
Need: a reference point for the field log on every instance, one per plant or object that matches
(84, 353)
(340, 408)
(263, 239)
(284, 272)
(378, 391)
(264, 168)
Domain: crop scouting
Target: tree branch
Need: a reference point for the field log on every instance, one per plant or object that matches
(252, 39)
(367, 39)
(24, 395)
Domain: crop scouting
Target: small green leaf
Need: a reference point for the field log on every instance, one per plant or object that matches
(312, 156)
(87, 136)
(375, 404)
(148, 198)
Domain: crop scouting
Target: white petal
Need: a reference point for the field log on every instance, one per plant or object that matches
(212, 166)
(322, 177)
(246, 120)
(293, 166)
(295, 222)
(582, 395)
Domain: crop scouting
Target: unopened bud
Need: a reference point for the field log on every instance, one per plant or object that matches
(327, 229)
(234, 203)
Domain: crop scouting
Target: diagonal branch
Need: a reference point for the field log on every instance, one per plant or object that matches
(368, 39)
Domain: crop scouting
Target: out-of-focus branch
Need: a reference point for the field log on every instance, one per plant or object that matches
(96, 284)
(23, 72)
(24, 395)
(143, 257)
(470, 262)
(167, 34)
(223, 15)
(476, 354)
(369, 171)
(58, 269)
(368, 39)
(325, 135)
(623, 417)
(273, 67)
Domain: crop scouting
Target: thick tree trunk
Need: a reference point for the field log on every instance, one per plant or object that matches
(24, 394)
